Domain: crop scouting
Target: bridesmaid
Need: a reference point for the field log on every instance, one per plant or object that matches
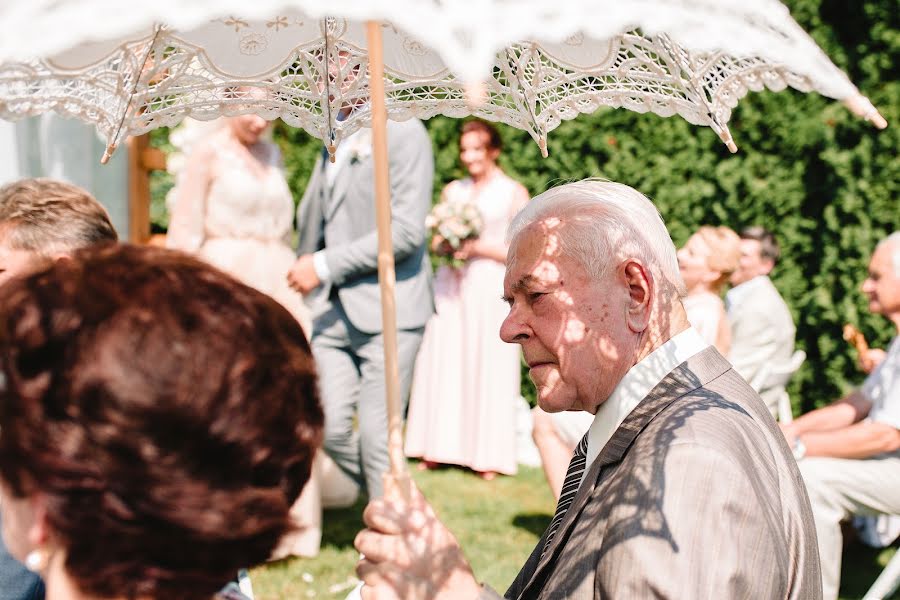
(466, 379)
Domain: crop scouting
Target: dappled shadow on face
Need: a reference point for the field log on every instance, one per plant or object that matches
(534, 523)
(582, 323)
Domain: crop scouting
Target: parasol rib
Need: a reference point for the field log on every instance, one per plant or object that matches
(111, 147)
(697, 95)
(327, 77)
(516, 68)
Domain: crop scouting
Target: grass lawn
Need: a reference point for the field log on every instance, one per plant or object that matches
(497, 522)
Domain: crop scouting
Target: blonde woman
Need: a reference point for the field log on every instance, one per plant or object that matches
(706, 261)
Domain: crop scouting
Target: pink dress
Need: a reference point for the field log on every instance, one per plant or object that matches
(466, 379)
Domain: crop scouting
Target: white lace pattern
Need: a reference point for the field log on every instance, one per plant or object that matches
(694, 58)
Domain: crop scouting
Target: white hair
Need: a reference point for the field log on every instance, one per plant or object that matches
(602, 220)
(893, 240)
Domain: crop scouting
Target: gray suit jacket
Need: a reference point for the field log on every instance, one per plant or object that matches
(762, 333)
(341, 221)
(696, 495)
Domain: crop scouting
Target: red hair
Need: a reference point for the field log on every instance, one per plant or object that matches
(167, 413)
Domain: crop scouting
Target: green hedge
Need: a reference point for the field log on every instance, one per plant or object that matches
(824, 181)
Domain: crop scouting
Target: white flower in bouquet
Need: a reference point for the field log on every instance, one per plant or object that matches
(455, 222)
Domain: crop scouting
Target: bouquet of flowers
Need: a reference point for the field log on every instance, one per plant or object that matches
(452, 223)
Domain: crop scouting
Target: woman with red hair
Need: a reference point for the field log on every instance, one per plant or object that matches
(158, 421)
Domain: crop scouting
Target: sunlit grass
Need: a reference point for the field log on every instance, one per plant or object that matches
(497, 522)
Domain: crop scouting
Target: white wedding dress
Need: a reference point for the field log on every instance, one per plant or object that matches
(247, 223)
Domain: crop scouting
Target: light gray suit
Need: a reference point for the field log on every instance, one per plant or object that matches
(762, 334)
(696, 495)
(346, 309)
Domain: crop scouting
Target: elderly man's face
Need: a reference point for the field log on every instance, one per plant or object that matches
(882, 286)
(571, 327)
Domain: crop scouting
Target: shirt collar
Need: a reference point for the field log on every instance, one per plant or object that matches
(738, 293)
(637, 383)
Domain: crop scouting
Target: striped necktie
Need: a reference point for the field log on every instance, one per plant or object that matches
(569, 488)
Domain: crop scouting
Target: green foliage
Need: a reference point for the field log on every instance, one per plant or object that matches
(823, 180)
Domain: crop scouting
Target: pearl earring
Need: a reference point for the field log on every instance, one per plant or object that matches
(36, 560)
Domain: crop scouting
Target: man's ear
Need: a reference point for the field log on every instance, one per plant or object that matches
(639, 281)
(767, 264)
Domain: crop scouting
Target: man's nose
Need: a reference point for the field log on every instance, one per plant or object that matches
(514, 330)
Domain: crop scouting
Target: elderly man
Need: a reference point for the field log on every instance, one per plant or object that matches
(683, 486)
(41, 220)
(849, 451)
(762, 329)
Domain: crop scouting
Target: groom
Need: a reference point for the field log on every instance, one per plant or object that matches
(337, 272)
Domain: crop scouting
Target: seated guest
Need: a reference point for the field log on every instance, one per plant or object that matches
(706, 262)
(158, 421)
(42, 220)
(850, 450)
(762, 329)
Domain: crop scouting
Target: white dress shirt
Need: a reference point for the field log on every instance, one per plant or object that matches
(637, 383)
(882, 388)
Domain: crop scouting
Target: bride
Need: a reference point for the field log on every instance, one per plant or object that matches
(232, 207)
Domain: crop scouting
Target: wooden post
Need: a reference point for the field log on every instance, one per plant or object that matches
(141, 160)
(386, 273)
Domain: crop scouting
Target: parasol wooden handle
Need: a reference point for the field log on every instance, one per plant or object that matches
(386, 273)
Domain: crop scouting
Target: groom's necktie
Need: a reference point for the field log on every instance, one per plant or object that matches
(569, 488)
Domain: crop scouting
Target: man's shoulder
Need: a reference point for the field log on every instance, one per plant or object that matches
(763, 303)
(409, 127)
(720, 413)
(767, 291)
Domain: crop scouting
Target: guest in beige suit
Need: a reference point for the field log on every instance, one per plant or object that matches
(683, 486)
(762, 329)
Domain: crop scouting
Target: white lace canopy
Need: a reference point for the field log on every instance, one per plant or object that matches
(127, 74)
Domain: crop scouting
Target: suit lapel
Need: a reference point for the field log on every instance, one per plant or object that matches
(342, 181)
(684, 379)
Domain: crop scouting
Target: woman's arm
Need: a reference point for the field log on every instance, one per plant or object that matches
(187, 221)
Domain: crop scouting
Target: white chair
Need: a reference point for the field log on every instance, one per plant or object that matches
(888, 582)
(771, 376)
